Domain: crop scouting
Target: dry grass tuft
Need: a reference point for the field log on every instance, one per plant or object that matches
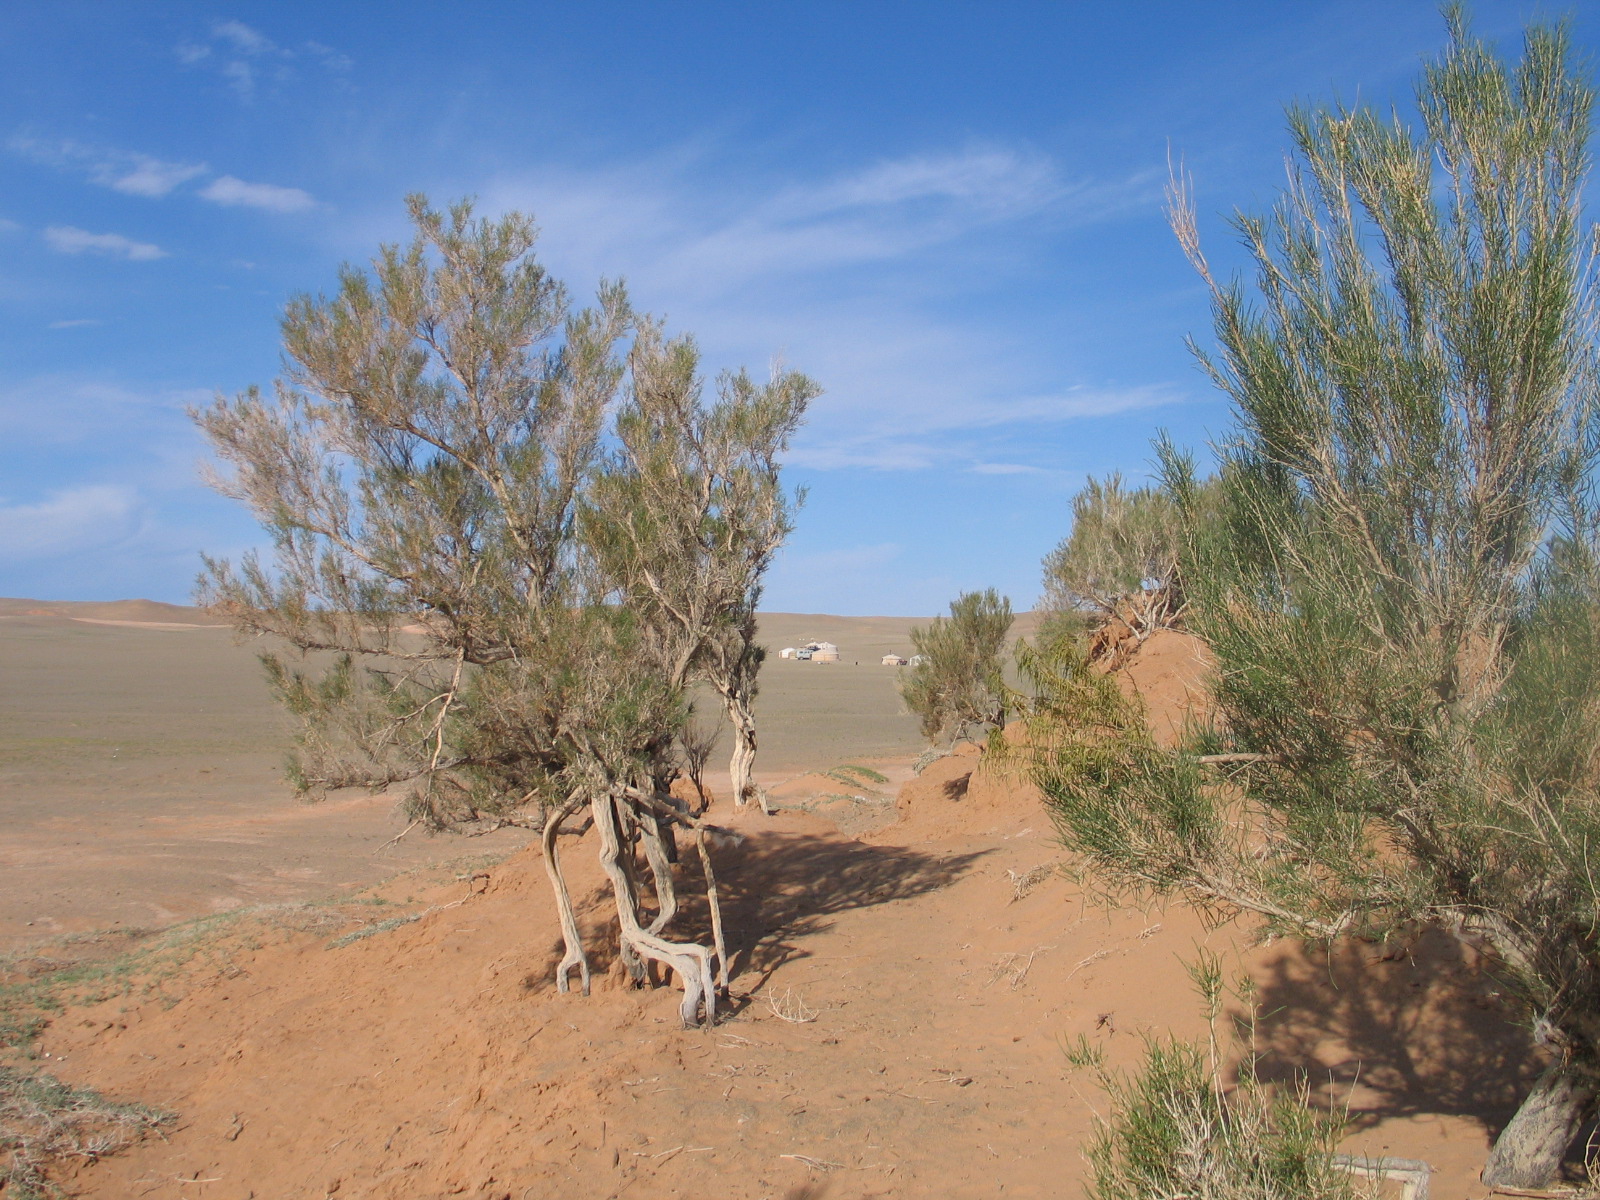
(1013, 968)
(43, 1120)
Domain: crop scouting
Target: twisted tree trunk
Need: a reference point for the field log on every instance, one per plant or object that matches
(656, 853)
(1528, 1152)
(742, 766)
(570, 934)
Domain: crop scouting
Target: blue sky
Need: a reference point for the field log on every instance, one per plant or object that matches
(950, 214)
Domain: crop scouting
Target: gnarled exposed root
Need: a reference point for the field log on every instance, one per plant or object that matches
(570, 934)
(691, 962)
(669, 808)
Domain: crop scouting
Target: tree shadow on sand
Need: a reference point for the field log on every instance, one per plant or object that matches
(1395, 1032)
(777, 890)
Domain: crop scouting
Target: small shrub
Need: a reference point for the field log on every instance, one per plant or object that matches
(957, 690)
(1175, 1128)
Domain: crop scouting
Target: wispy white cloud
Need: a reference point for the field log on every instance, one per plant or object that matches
(1072, 404)
(873, 453)
(846, 558)
(78, 323)
(8, 226)
(994, 180)
(243, 38)
(125, 171)
(68, 522)
(330, 58)
(1005, 468)
(246, 57)
(241, 77)
(656, 214)
(68, 239)
(856, 278)
(73, 410)
(150, 176)
(137, 174)
(228, 190)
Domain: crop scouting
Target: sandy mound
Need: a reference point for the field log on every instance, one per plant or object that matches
(1168, 674)
(899, 1008)
(966, 794)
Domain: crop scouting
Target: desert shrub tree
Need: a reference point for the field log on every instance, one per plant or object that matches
(1119, 564)
(957, 687)
(1401, 590)
(430, 468)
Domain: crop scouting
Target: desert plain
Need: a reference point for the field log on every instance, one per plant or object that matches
(328, 1011)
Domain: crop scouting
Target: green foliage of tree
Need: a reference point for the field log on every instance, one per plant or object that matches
(516, 546)
(1400, 586)
(691, 511)
(957, 687)
(1120, 562)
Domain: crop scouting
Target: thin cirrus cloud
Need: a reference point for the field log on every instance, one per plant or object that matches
(68, 522)
(246, 58)
(243, 38)
(123, 171)
(136, 174)
(652, 215)
(907, 386)
(68, 239)
(228, 190)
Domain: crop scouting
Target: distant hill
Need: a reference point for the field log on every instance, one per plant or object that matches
(151, 611)
(863, 635)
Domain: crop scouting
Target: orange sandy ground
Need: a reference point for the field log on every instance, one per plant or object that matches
(437, 1059)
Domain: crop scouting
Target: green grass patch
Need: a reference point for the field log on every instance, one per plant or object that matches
(856, 776)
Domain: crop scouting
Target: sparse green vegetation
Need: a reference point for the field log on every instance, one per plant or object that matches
(366, 931)
(91, 968)
(957, 687)
(1179, 1127)
(1120, 562)
(1401, 584)
(856, 776)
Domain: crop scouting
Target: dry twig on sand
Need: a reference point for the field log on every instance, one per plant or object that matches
(790, 1007)
(1024, 882)
(819, 1163)
(1014, 967)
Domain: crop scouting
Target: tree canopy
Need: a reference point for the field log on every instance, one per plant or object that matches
(515, 535)
(1399, 585)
